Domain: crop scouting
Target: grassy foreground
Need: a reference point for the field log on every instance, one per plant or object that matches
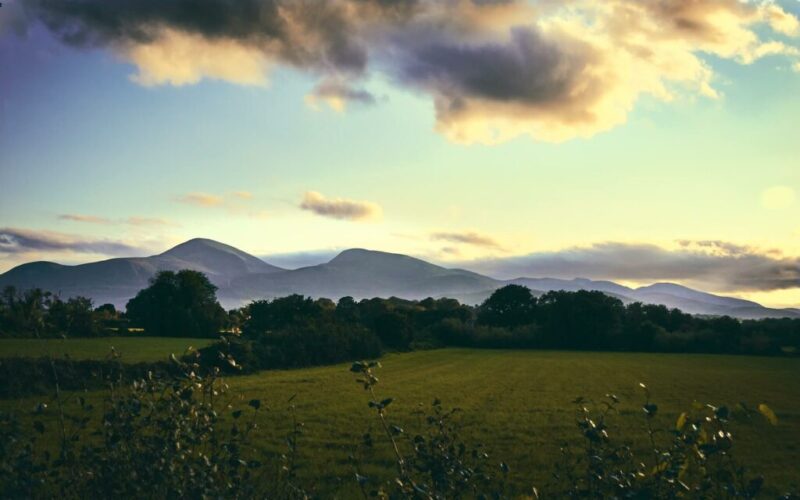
(516, 403)
(133, 349)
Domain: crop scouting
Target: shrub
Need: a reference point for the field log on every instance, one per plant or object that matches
(172, 435)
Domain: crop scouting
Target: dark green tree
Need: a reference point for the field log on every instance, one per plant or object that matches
(510, 306)
(580, 320)
(73, 318)
(272, 315)
(182, 304)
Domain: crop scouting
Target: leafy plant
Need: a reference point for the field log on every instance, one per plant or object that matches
(434, 463)
(694, 459)
(157, 436)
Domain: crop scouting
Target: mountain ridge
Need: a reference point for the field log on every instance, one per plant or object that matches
(357, 272)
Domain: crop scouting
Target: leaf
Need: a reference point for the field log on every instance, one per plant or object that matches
(681, 421)
(39, 427)
(768, 413)
(237, 414)
(255, 403)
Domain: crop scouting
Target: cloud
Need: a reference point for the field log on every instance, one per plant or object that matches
(494, 70)
(234, 203)
(778, 197)
(242, 195)
(133, 220)
(181, 58)
(468, 238)
(340, 208)
(91, 219)
(337, 95)
(715, 265)
(202, 199)
(148, 221)
(15, 241)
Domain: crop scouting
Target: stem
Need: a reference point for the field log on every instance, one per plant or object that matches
(400, 460)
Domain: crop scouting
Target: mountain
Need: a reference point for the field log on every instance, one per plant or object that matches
(366, 273)
(117, 280)
(548, 284)
(357, 272)
(215, 259)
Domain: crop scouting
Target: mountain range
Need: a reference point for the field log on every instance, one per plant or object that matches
(359, 273)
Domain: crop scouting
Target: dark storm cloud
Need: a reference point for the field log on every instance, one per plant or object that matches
(495, 69)
(736, 268)
(304, 33)
(279, 28)
(99, 21)
(13, 241)
(526, 68)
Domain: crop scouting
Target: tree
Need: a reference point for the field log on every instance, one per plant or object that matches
(292, 310)
(510, 306)
(580, 320)
(182, 304)
(347, 310)
(23, 313)
(74, 318)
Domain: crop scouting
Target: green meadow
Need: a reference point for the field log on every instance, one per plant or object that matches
(518, 404)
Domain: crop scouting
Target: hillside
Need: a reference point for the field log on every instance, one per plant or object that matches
(357, 272)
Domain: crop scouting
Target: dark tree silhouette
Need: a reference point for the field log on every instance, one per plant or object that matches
(182, 304)
(75, 317)
(580, 320)
(270, 315)
(510, 306)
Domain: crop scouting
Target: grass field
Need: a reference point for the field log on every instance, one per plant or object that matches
(517, 403)
(133, 349)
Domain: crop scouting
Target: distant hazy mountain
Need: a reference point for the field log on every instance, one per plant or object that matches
(548, 284)
(117, 280)
(365, 273)
(359, 273)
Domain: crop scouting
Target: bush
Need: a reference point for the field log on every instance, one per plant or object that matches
(693, 459)
(296, 346)
(21, 377)
(171, 435)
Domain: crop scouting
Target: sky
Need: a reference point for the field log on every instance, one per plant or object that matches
(638, 141)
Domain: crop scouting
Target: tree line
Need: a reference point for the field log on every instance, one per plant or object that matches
(298, 331)
(38, 313)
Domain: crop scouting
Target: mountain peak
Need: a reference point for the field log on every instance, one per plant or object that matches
(217, 258)
(199, 244)
(362, 254)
